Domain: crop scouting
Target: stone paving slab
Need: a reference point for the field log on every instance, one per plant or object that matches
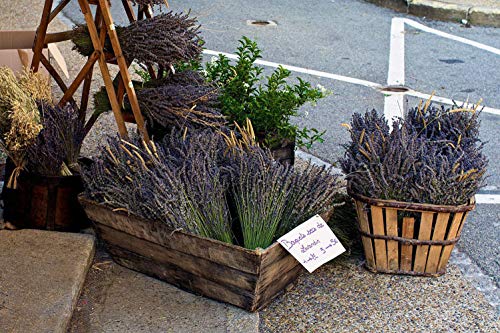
(116, 299)
(41, 275)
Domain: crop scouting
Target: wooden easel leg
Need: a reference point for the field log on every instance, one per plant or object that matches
(96, 41)
(85, 95)
(40, 36)
(89, 66)
(129, 10)
(122, 64)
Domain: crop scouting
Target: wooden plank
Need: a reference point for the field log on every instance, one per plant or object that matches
(157, 232)
(272, 254)
(452, 233)
(407, 250)
(115, 106)
(391, 219)
(378, 229)
(122, 64)
(423, 234)
(269, 273)
(435, 250)
(271, 291)
(39, 42)
(462, 225)
(221, 274)
(184, 280)
(367, 242)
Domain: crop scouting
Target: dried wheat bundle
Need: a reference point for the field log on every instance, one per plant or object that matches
(164, 40)
(19, 116)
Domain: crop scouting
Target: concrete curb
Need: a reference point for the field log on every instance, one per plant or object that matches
(445, 11)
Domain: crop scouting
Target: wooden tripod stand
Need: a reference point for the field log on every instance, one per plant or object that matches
(100, 27)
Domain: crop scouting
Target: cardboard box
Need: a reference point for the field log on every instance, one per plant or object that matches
(16, 51)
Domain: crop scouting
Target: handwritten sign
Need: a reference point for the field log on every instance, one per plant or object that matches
(312, 243)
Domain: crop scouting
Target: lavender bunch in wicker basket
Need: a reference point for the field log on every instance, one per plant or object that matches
(434, 156)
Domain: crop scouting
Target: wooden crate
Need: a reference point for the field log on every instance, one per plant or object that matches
(225, 272)
(408, 238)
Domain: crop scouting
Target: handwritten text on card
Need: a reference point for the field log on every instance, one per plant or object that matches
(312, 243)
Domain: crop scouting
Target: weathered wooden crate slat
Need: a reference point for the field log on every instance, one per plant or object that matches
(225, 272)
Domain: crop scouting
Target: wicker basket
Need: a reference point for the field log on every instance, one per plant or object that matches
(408, 238)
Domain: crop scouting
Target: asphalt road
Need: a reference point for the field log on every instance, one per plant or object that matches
(352, 38)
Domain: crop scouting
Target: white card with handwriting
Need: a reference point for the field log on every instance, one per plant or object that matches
(312, 243)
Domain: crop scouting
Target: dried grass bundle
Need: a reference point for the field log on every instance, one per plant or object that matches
(19, 117)
(36, 85)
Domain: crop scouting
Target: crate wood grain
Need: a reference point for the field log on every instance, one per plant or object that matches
(225, 272)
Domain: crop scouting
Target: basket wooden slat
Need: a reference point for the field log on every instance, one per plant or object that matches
(364, 226)
(452, 233)
(435, 250)
(391, 216)
(408, 238)
(424, 233)
(407, 250)
(378, 228)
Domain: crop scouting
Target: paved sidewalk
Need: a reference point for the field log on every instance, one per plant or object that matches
(475, 12)
(41, 275)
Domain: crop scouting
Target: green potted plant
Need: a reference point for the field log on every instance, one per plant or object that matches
(269, 102)
(414, 185)
(43, 144)
(202, 210)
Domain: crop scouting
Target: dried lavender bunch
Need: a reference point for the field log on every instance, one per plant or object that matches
(147, 2)
(181, 106)
(313, 191)
(178, 100)
(176, 182)
(260, 188)
(58, 144)
(164, 40)
(434, 156)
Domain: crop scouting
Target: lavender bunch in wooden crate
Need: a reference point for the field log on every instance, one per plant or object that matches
(434, 156)
(271, 198)
(176, 182)
(185, 181)
(164, 40)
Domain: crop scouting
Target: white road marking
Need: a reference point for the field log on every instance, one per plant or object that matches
(452, 37)
(302, 70)
(394, 103)
(396, 74)
(343, 78)
(488, 199)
